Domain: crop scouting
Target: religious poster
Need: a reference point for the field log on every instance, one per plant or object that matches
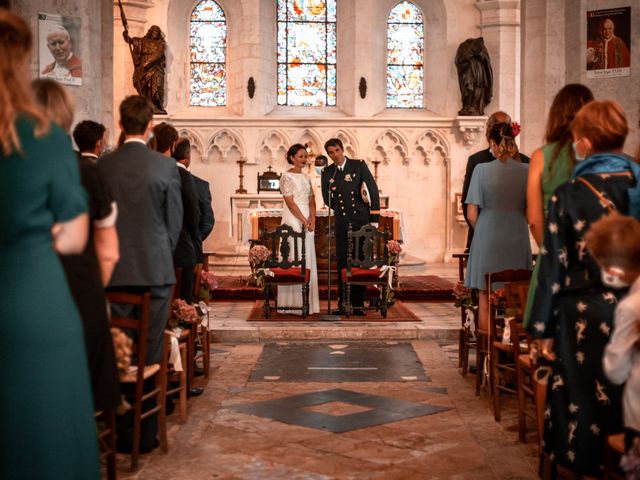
(608, 43)
(58, 47)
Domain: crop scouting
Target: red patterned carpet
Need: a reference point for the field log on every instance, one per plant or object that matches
(396, 313)
(418, 288)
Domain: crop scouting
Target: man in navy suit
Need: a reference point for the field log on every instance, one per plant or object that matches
(483, 156)
(182, 154)
(342, 185)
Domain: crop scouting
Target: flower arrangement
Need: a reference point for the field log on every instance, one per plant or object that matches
(462, 296)
(394, 249)
(122, 349)
(515, 129)
(498, 298)
(208, 282)
(258, 254)
(183, 314)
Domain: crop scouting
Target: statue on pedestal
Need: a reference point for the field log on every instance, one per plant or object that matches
(475, 76)
(149, 65)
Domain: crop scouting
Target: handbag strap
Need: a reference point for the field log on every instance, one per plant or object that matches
(608, 204)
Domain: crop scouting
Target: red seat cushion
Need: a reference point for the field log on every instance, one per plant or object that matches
(287, 275)
(362, 275)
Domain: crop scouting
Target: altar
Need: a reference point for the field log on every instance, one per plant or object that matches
(260, 220)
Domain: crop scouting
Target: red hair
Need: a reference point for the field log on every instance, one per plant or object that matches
(603, 123)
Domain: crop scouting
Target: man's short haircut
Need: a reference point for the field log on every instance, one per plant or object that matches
(87, 134)
(165, 135)
(603, 123)
(135, 114)
(333, 142)
(182, 149)
(614, 240)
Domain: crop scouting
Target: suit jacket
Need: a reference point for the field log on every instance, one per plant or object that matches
(207, 218)
(185, 252)
(483, 156)
(146, 187)
(346, 188)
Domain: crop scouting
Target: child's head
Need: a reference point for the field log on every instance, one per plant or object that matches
(614, 242)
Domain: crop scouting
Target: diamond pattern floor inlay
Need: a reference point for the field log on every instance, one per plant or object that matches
(380, 410)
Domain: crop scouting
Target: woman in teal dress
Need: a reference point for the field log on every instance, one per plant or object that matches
(551, 165)
(47, 430)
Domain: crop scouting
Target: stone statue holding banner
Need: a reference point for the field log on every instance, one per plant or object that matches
(475, 76)
(149, 65)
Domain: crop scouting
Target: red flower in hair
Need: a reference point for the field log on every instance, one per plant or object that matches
(515, 129)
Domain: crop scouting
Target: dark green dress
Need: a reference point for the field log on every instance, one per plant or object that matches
(47, 430)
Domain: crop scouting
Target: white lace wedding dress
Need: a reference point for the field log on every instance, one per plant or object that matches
(298, 185)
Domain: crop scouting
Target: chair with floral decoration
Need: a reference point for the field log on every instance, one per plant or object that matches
(369, 262)
(285, 265)
(139, 373)
(502, 366)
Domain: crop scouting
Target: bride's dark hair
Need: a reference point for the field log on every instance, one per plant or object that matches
(502, 134)
(293, 149)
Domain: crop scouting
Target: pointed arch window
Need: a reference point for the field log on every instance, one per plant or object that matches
(208, 69)
(307, 52)
(405, 57)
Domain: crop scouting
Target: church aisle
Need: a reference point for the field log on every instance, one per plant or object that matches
(456, 439)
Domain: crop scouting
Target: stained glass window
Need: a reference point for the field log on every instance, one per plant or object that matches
(307, 52)
(405, 57)
(208, 55)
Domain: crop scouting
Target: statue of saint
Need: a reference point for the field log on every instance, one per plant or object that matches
(475, 76)
(149, 65)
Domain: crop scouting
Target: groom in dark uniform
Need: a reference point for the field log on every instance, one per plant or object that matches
(345, 182)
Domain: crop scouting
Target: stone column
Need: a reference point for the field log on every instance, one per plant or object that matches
(135, 11)
(500, 27)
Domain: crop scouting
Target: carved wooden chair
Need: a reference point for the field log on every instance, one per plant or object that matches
(367, 260)
(139, 372)
(502, 365)
(286, 265)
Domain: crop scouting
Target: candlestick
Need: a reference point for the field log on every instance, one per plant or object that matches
(376, 162)
(241, 188)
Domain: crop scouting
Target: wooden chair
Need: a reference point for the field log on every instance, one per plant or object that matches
(139, 372)
(287, 265)
(201, 332)
(106, 425)
(366, 257)
(465, 340)
(502, 365)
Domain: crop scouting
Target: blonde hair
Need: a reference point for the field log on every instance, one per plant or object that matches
(55, 102)
(603, 123)
(15, 95)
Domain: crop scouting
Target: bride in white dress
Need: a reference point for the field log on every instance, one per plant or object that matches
(300, 212)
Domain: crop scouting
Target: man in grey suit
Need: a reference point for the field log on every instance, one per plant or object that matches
(146, 187)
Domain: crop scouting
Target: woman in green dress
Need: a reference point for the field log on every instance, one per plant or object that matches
(551, 165)
(47, 430)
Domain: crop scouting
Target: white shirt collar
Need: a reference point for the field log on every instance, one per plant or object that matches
(87, 154)
(139, 140)
(180, 165)
(344, 164)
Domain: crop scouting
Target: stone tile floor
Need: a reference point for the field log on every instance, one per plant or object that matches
(462, 443)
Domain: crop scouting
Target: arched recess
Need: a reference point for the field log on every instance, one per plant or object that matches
(311, 140)
(197, 144)
(349, 142)
(272, 147)
(391, 146)
(225, 145)
(429, 142)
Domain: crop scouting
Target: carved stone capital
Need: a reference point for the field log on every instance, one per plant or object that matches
(469, 129)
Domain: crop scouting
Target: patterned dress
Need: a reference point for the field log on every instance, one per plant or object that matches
(573, 307)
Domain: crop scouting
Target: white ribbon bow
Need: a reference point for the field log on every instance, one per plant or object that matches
(387, 269)
(174, 353)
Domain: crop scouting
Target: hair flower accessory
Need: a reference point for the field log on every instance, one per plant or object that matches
(515, 129)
